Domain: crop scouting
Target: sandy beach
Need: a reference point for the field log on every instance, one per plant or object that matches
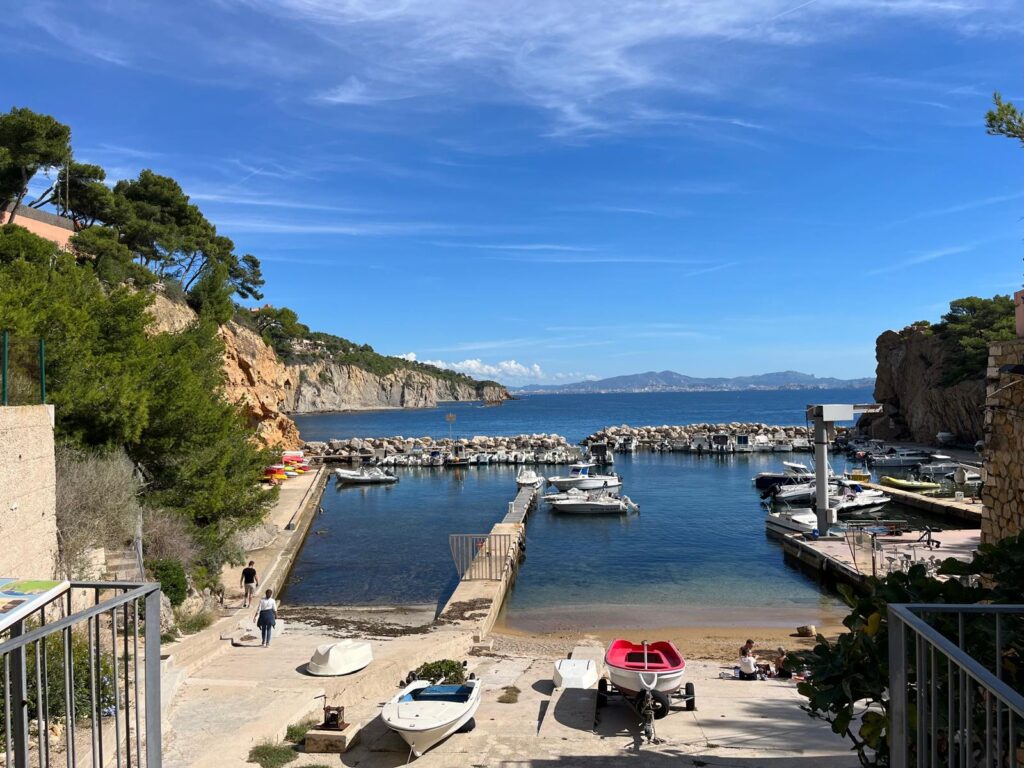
(707, 643)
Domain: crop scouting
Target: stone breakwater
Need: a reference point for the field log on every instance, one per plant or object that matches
(479, 449)
(756, 435)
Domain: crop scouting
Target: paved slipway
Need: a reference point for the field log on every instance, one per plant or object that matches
(236, 694)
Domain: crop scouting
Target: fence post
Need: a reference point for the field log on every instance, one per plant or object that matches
(897, 690)
(19, 690)
(6, 335)
(153, 713)
(42, 371)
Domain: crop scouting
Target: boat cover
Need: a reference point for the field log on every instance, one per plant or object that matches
(453, 693)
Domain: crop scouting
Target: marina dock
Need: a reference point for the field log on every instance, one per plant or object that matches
(853, 561)
(968, 510)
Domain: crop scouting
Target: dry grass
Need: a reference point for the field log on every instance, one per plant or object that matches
(510, 696)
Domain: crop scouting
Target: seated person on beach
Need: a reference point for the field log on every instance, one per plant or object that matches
(748, 647)
(748, 665)
(780, 665)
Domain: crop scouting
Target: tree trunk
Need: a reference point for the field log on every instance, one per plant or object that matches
(20, 197)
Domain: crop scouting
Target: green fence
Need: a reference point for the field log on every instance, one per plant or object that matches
(22, 370)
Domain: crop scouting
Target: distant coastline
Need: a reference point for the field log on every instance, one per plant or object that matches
(670, 381)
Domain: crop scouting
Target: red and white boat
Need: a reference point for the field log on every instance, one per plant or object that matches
(637, 667)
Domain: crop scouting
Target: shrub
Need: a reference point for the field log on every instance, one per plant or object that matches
(166, 536)
(272, 755)
(297, 731)
(97, 504)
(190, 623)
(445, 669)
(171, 576)
(510, 695)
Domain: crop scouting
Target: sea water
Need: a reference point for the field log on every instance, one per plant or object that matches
(696, 554)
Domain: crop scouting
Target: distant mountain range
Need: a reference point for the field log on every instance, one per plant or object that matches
(670, 381)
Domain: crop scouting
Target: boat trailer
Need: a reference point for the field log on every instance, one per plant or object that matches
(649, 705)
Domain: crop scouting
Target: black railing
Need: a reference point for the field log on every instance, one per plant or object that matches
(81, 685)
(954, 686)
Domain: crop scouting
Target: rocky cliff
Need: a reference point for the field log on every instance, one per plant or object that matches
(916, 406)
(326, 386)
(268, 389)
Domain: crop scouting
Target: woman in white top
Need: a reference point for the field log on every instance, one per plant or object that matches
(266, 616)
(748, 665)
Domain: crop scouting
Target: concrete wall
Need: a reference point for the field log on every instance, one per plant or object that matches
(1003, 491)
(28, 492)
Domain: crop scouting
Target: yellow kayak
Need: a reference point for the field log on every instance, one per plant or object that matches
(917, 486)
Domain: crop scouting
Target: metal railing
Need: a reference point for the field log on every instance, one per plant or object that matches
(954, 686)
(484, 556)
(22, 370)
(81, 687)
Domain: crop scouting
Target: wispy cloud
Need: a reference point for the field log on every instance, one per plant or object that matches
(353, 229)
(263, 201)
(355, 92)
(68, 36)
(967, 205)
(921, 258)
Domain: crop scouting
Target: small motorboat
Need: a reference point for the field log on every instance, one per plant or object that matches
(792, 474)
(786, 521)
(424, 714)
(528, 478)
(647, 675)
(341, 658)
(917, 486)
(581, 502)
(898, 458)
(582, 478)
(575, 673)
(365, 476)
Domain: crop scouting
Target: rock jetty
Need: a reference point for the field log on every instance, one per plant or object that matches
(666, 437)
(357, 448)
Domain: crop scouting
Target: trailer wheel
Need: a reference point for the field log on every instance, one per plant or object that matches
(602, 692)
(691, 698)
(660, 703)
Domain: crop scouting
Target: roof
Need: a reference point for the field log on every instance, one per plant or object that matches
(42, 216)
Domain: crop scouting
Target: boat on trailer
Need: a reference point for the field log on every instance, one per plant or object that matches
(425, 714)
(647, 675)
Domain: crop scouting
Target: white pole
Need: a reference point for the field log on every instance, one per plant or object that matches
(826, 518)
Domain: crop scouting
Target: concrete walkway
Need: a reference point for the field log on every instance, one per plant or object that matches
(250, 694)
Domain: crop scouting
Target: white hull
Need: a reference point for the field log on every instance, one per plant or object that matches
(424, 724)
(586, 507)
(802, 521)
(587, 483)
(341, 658)
(361, 477)
(631, 681)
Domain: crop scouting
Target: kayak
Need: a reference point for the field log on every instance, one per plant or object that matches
(917, 486)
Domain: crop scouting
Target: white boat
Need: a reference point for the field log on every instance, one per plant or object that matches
(782, 445)
(637, 667)
(365, 476)
(424, 714)
(528, 478)
(575, 673)
(938, 466)
(743, 444)
(791, 521)
(721, 442)
(341, 658)
(802, 445)
(761, 444)
(792, 474)
(898, 458)
(582, 503)
(582, 478)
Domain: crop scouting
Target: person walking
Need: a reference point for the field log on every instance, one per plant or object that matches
(249, 582)
(266, 616)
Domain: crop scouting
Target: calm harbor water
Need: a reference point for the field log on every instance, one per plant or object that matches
(696, 554)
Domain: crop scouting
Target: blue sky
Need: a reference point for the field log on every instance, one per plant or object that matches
(542, 191)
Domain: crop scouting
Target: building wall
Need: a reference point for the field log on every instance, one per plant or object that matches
(28, 492)
(1003, 491)
(47, 225)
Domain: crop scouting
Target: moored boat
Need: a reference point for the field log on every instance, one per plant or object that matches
(917, 486)
(582, 478)
(528, 478)
(581, 503)
(424, 714)
(365, 476)
(792, 474)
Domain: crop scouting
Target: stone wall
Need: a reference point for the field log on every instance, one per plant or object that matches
(1003, 492)
(28, 492)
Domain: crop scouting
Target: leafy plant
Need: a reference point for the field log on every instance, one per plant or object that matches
(296, 732)
(171, 576)
(272, 755)
(849, 677)
(445, 669)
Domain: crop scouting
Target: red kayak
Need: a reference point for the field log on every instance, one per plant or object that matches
(636, 667)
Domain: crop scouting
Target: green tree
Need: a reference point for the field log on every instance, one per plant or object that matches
(17, 243)
(1005, 119)
(968, 328)
(80, 194)
(29, 142)
(111, 259)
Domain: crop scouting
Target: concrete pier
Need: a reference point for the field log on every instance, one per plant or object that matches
(834, 560)
(968, 510)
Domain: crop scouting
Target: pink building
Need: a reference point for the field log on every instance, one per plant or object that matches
(48, 225)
